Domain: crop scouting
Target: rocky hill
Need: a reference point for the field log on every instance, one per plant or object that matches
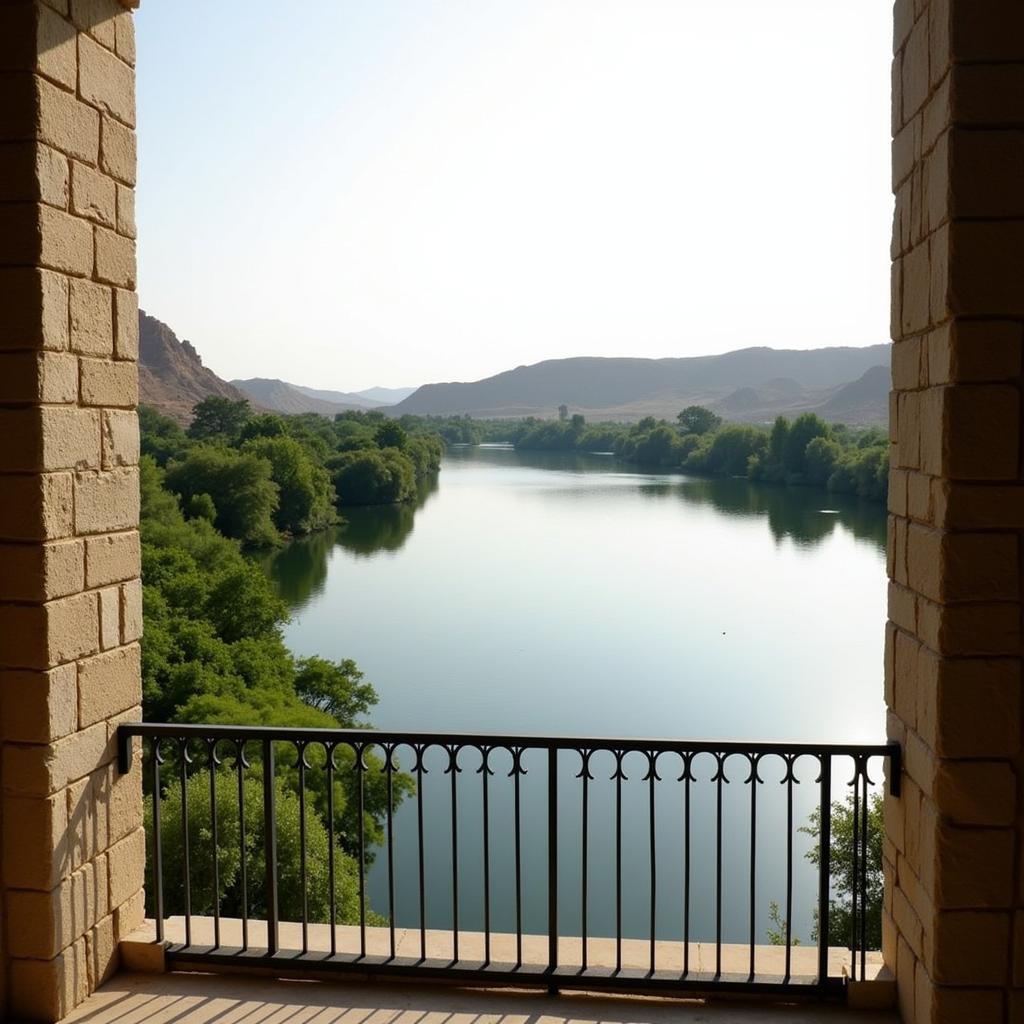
(752, 384)
(280, 396)
(172, 377)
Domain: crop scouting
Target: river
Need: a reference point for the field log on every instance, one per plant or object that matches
(550, 594)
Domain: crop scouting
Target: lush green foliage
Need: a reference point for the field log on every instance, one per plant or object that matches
(213, 652)
(840, 914)
(259, 478)
(805, 451)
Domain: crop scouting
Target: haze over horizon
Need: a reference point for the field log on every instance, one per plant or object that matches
(393, 192)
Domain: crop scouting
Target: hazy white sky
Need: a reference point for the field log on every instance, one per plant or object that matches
(345, 193)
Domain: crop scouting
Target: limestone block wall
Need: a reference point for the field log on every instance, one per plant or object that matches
(71, 842)
(954, 903)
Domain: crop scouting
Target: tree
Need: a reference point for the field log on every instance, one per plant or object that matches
(820, 459)
(218, 417)
(334, 687)
(240, 485)
(805, 428)
(840, 913)
(229, 855)
(306, 495)
(695, 419)
(390, 434)
(160, 436)
(380, 477)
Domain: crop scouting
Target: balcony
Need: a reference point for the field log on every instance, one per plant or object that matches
(580, 865)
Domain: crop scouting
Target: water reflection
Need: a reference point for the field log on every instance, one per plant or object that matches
(299, 570)
(802, 514)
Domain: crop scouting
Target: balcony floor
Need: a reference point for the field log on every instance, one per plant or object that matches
(185, 998)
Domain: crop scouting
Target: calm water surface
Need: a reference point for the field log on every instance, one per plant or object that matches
(568, 595)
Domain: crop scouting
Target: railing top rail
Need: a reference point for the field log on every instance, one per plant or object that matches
(404, 737)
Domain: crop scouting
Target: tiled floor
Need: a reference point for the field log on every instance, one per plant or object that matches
(245, 999)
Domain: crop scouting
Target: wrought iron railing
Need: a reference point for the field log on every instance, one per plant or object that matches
(562, 862)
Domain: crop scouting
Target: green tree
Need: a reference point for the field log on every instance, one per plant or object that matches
(820, 460)
(160, 436)
(381, 477)
(306, 495)
(805, 428)
(695, 419)
(840, 913)
(390, 434)
(218, 417)
(229, 851)
(240, 485)
(336, 688)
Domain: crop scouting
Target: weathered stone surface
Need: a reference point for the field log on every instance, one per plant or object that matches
(105, 81)
(109, 383)
(93, 195)
(115, 258)
(38, 707)
(117, 151)
(35, 305)
(112, 558)
(67, 124)
(109, 683)
(42, 572)
(106, 502)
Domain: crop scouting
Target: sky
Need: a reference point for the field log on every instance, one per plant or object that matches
(349, 193)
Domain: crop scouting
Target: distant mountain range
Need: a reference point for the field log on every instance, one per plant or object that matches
(751, 385)
(280, 396)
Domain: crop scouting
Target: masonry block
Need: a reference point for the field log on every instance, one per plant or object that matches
(117, 151)
(93, 195)
(112, 558)
(115, 258)
(38, 707)
(35, 305)
(109, 383)
(107, 502)
(67, 124)
(42, 572)
(109, 683)
(38, 377)
(37, 507)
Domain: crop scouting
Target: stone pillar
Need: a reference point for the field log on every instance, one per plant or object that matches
(954, 912)
(71, 842)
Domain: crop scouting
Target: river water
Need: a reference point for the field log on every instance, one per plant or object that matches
(568, 595)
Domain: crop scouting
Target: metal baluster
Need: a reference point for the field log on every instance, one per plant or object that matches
(212, 752)
(389, 769)
(517, 771)
(186, 867)
(419, 824)
(244, 877)
(270, 844)
(789, 868)
(585, 832)
(453, 753)
(864, 878)
(824, 867)
(361, 768)
(158, 858)
(485, 771)
(301, 750)
(687, 765)
(618, 861)
(854, 918)
(753, 860)
(332, 896)
(552, 861)
(653, 850)
(718, 868)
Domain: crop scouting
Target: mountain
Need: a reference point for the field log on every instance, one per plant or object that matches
(857, 401)
(280, 396)
(344, 398)
(172, 377)
(782, 381)
(386, 396)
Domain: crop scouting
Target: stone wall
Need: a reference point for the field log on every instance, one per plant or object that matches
(71, 843)
(954, 904)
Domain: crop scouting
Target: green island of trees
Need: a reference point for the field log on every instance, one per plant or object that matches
(806, 451)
